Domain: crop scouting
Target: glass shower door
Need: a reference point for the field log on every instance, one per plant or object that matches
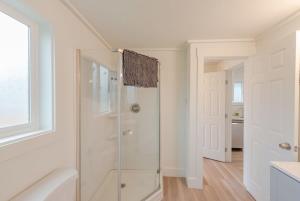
(139, 143)
(119, 134)
(98, 130)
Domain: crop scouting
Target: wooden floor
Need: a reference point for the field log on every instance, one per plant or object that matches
(222, 182)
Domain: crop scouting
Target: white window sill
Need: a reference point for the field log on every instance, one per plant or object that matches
(22, 137)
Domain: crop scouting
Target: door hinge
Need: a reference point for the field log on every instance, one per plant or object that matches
(226, 82)
(158, 171)
(226, 149)
(226, 116)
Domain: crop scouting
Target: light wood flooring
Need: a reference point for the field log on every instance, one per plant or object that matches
(222, 182)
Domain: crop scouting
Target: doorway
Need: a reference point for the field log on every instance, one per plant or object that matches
(223, 109)
(223, 119)
(234, 110)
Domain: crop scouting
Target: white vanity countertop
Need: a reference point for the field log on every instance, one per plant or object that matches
(291, 169)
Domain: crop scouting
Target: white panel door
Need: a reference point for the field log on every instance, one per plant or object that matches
(212, 115)
(271, 113)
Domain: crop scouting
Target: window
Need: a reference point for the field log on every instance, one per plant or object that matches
(26, 86)
(238, 93)
(14, 73)
(17, 86)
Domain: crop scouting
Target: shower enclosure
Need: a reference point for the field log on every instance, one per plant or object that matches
(118, 134)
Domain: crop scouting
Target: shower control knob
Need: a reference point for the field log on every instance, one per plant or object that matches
(135, 108)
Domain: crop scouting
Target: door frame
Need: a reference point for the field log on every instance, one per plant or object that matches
(228, 123)
(196, 53)
(77, 55)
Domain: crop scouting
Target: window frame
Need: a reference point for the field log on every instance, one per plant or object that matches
(33, 82)
(242, 92)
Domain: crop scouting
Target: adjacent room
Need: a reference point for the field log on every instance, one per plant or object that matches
(105, 100)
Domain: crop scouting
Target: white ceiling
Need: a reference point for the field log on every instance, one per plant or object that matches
(170, 23)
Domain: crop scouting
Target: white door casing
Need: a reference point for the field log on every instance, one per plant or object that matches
(196, 53)
(271, 113)
(212, 115)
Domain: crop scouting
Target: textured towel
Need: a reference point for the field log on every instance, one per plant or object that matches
(139, 70)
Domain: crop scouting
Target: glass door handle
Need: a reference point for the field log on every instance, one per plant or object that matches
(127, 132)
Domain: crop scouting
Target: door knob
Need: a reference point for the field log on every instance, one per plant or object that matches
(127, 132)
(285, 145)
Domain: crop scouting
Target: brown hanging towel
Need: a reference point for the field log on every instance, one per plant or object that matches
(139, 70)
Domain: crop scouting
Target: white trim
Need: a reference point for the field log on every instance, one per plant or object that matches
(173, 172)
(22, 137)
(15, 14)
(278, 25)
(159, 49)
(85, 22)
(196, 57)
(34, 80)
(157, 196)
(194, 182)
(222, 40)
(228, 132)
(15, 147)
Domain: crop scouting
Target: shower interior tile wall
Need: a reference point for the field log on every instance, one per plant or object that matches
(142, 144)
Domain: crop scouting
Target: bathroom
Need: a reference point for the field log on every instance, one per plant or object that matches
(74, 127)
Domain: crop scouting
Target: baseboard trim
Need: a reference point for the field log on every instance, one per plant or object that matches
(173, 172)
(194, 182)
(255, 191)
(157, 196)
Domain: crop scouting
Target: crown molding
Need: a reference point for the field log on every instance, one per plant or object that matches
(278, 25)
(159, 49)
(85, 22)
(222, 40)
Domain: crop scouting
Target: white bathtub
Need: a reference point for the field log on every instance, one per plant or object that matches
(60, 185)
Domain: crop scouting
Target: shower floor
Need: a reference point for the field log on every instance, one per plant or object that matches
(139, 185)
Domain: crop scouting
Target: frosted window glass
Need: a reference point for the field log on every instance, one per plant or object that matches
(14, 72)
(238, 92)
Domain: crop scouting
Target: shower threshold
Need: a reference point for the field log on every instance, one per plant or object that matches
(138, 185)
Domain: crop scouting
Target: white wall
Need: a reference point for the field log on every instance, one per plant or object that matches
(23, 163)
(140, 150)
(280, 31)
(173, 109)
